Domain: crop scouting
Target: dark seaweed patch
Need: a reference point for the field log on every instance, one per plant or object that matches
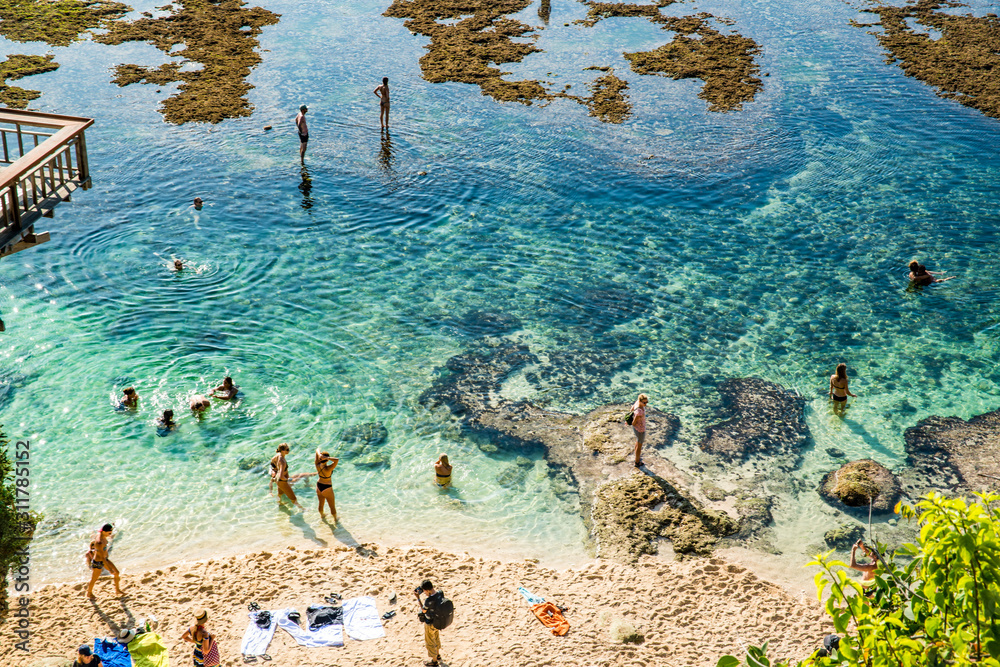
(55, 22)
(18, 67)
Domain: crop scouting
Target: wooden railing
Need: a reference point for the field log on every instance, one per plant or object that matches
(44, 160)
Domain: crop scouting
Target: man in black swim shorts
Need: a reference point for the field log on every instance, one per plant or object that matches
(300, 124)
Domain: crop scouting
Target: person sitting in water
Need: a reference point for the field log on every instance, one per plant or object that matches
(199, 403)
(178, 265)
(442, 472)
(166, 422)
(130, 399)
(919, 275)
(226, 391)
(869, 568)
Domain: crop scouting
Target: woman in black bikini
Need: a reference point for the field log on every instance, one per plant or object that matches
(838, 389)
(98, 559)
(324, 489)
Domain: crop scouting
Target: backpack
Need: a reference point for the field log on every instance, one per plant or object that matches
(442, 612)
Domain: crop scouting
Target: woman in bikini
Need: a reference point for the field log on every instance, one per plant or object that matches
(206, 651)
(226, 391)
(839, 390)
(442, 472)
(98, 559)
(324, 488)
(280, 476)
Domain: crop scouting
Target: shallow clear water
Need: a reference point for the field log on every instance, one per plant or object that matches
(770, 242)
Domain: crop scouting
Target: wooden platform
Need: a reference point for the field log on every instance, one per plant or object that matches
(43, 160)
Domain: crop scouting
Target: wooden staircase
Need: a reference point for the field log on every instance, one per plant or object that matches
(44, 161)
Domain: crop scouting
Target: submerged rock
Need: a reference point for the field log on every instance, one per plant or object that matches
(251, 463)
(853, 484)
(949, 453)
(478, 323)
(764, 419)
(371, 434)
(844, 536)
(631, 513)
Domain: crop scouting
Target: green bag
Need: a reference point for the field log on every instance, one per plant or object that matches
(629, 418)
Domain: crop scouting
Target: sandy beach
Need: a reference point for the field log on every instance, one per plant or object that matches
(689, 613)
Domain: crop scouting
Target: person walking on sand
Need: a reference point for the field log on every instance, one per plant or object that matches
(639, 426)
(428, 611)
(303, 128)
(442, 472)
(325, 465)
(382, 92)
(98, 559)
(839, 389)
(206, 649)
(280, 476)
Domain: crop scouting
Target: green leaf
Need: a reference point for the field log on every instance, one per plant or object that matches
(728, 661)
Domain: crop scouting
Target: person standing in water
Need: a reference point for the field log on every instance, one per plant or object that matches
(838, 389)
(226, 391)
(382, 92)
(324, 487)
(303, 128)
(442, 472)
(98, 558)
(280, 476)
(639, 426)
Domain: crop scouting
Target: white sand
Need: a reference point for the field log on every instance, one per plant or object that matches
(690, 613)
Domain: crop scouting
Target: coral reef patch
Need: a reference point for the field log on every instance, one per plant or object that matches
(951, 454)
(963, 63)
(55, 22)
(608, 101)
(698, 51)
(17, 67)
(857, 483)
(220, 36)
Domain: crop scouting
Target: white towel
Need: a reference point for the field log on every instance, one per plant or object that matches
(256, 639)
(361, 619)
(328, 635)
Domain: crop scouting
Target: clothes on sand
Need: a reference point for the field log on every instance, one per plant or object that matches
(361, 619)
(551, 617)
(256, 639)
(319, 615)
(112, 653)
(328, 635)
(148, 650)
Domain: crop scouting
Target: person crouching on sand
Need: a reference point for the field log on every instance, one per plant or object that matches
(98, 559)
(325, 465)
(442, 472)
(280, 476)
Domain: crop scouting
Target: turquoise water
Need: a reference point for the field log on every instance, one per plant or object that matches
(770, 242)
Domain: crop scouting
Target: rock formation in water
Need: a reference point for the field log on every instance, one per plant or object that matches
(855, 484)
(951, 454)
(962, 61)
(764, 419)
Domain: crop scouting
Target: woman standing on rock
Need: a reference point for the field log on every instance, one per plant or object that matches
(639, 426)
(838, 389)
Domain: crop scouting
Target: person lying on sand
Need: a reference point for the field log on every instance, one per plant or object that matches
(226, 391)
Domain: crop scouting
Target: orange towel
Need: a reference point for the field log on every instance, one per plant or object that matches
(551, 617)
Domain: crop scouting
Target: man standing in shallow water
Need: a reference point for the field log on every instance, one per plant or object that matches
(300, 123)
(382, 92)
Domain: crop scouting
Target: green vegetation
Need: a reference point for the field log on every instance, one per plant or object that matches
(16, 527)
(941, 608)
(18, 67)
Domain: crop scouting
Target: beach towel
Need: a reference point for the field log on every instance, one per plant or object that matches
(361, 619)
(551, 617)
(529, 596)
(148, 650)
(111, 653)
(256, 639)
(328, 635)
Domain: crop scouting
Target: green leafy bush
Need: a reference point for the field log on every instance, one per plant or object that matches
(16, 527)
(940, 608)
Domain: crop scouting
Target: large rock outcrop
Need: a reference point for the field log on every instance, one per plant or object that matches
(855, 484)
(951, 454)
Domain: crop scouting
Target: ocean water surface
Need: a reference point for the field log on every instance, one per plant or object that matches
(768, 242)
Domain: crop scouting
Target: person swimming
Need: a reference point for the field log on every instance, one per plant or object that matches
(226, 391)
(442, 472)
(325, 465)
(130, 399)
(166, 421)
(920, 276)
(199, 403)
